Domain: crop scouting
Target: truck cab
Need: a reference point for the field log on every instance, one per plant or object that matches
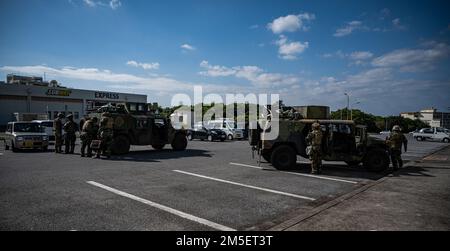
(342, 140)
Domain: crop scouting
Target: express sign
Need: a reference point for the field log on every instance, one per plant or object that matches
(106, 95)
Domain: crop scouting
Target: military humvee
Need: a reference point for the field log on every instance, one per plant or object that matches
(140, 124)
(342, 141)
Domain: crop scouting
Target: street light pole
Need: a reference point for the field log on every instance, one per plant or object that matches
(351, 112)
(348, 103)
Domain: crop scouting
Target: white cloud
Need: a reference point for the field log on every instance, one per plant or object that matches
(145, 66)
(357, 57)
(361, 55)
(290, 23)
(90, 3)
(117, 80)
(348, 28)
(187, 47)
(257, 76)
(414, 60)
(289, 50)
(114, 4)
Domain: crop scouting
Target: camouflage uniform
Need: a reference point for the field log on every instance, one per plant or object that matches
(57, 130)
(88, 133)
(70, 127)
(105, 134)
(395, 141)
(314, 140)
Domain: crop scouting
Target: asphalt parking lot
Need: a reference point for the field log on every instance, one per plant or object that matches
(210, 186)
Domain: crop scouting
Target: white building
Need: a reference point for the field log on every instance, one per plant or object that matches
(430, 116)
(51, 99)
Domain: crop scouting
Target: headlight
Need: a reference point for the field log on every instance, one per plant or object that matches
(20, 138)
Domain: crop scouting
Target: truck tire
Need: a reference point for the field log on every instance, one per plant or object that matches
(266, 155)
(13, 148)
(253, 137)
(120, 145)
(230, 137)
(283, 157)
(158, 146)
(445, 140)
(179, 142)
(418, 138)
(376, 161)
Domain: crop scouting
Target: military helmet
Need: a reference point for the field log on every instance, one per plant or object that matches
(70, 116)
(315, 126)
(60, 115)
(396, 128)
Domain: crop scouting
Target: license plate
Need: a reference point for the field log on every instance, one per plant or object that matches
(28, 144)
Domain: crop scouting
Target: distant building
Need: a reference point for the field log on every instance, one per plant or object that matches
(32, 95)
(430, 116)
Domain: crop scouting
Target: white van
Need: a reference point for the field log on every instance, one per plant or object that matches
(228, 126)
(48, 128)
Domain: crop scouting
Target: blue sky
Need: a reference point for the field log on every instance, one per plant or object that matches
(390, 56)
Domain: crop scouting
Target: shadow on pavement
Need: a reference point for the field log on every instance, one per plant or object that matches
(412, 171)
(343, 171)
(156, 155)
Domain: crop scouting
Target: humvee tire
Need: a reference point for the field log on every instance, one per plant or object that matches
(158, 147)
(376, 161)
(283, 157)
(179, 142)
(120, 145)
(266, 155)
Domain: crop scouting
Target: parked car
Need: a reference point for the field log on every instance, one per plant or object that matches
(202, 133)
(385, 132)
(228, 126)
(25, 135)
(48, 128)
(434, 134)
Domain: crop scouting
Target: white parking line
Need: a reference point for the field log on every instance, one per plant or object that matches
(164, 208)
(248, 186)
(299, 174)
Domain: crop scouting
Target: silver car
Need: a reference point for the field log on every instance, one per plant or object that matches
(26, 135)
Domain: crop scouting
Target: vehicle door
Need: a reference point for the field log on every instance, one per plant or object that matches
(341, 140)
(428, 133)
(143, 131)
(439, 134)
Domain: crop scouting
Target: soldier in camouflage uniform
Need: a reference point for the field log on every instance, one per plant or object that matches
(88, 133)
(395, 141)
(70, 127)
(105, 134)
(57, 130)
(314, 140)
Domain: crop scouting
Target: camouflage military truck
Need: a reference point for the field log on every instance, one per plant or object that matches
(342, 141)
(139, 124)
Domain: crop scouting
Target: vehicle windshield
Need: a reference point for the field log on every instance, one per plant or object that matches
(28, 127)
